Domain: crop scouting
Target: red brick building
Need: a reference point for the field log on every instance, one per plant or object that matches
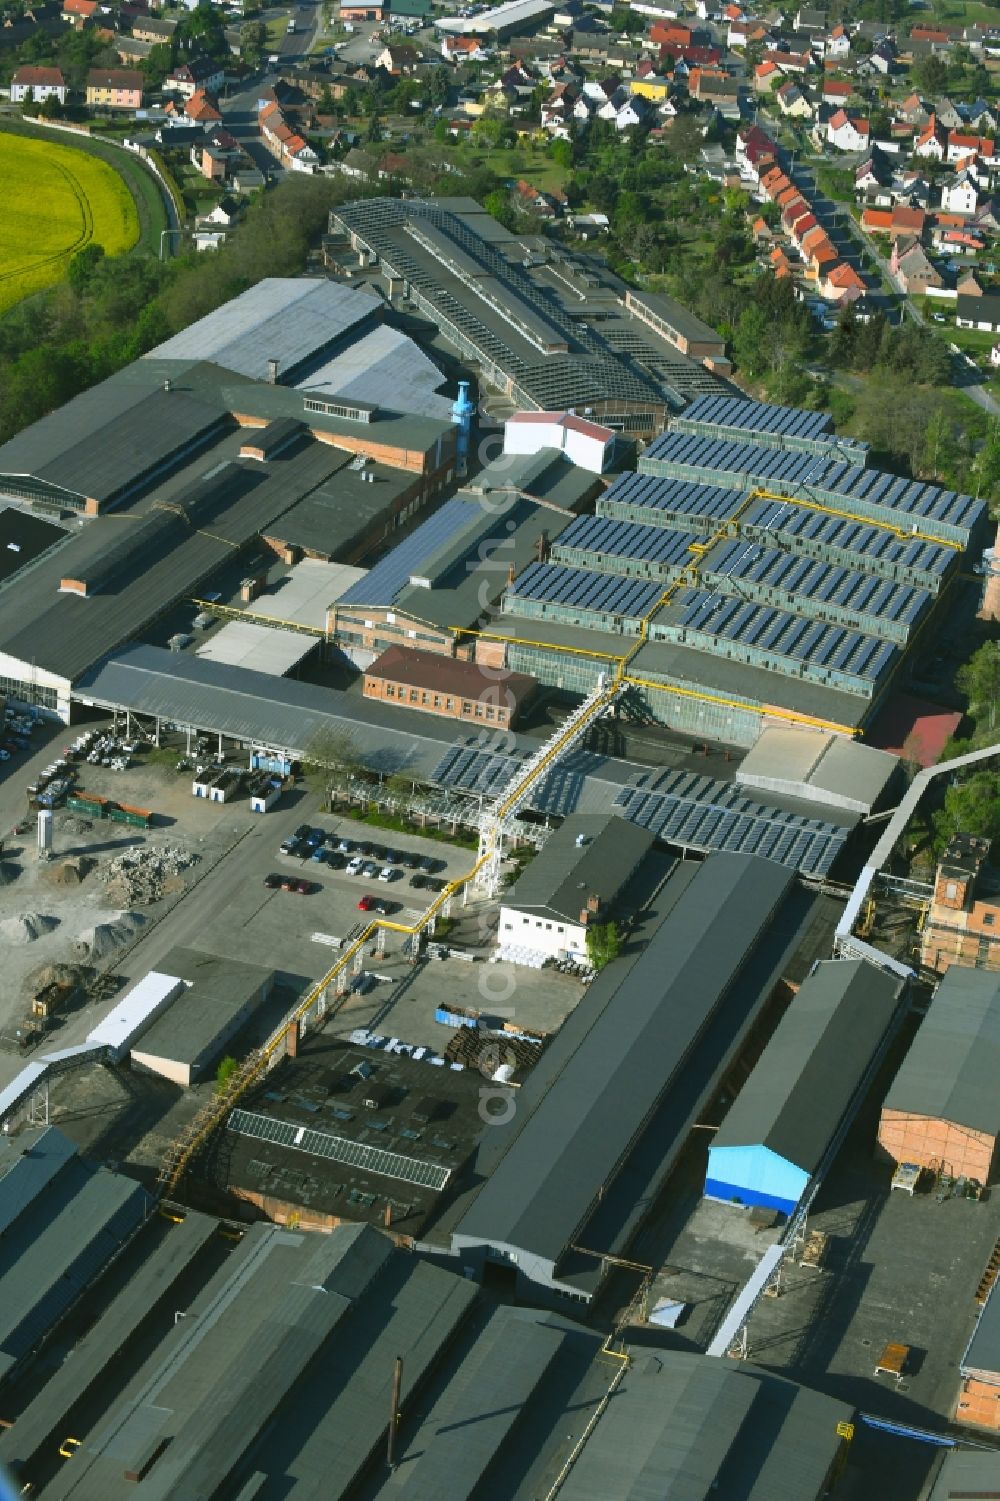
(963, 923)
(435, 684)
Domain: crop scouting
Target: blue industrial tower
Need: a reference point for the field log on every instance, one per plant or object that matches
(462, 412)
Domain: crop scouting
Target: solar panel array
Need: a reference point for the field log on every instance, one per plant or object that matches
(340, 1149)
(383, 584)
(767, 630)
(608, 536)
(759, 417)
(699, 814)
(750, 464)
(821, 583)
(870, 542)
(580, 589)
(669, 497)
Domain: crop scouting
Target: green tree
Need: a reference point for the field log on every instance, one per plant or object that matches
(750, 341)
(224, 1073)
(440, 85)
(561, 152)
(979, 680)
(253, 38)
(971, 807)
(332, 760)
(498, 204)
(81, 268)
(603, 943)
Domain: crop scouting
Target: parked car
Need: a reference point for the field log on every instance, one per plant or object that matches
(370, 869)
(384, 908)
(319, 853)
(305, 888)
(303, 831)
(387, 873)
(411, 860)
(272, 882)
(435, 883)
(345, 846)
(429, 863)
(366, 904)
(355, 866)
(392, 857)
(290, 846)
(418, 881)
(288, 883)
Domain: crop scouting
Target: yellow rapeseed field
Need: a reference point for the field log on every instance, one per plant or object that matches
(55, 200)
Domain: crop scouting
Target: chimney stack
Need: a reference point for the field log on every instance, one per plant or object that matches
(292, 1041)
(272, 372)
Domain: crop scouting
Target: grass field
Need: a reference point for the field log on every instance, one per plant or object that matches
(56, 200)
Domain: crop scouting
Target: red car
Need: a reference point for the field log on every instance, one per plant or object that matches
(272, 882)
(366, 904)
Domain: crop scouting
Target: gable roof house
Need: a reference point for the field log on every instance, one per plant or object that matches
(847, 134)
(932, 141)
(979, 312)
(911, 267)
(36, 84)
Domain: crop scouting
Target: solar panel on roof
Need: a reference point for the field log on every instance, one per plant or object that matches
(340, 1149)
(383, 583)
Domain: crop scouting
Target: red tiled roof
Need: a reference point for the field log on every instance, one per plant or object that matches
(435, 673)
(39, 76)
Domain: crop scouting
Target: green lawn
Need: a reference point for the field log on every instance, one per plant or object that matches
(514, 162)
(956, 12)
(277, 29)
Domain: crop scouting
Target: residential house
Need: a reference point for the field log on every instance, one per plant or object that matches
(129, 50)
(781, 266)
(911, 267)
(960, 145)
(651, 86)
(913, 110)
(868, 174)
(197, 73)
(765, 75)
(78, 12)
(837, 44)
(224, 214)
(398, 59)
(33, 85)
(290, 148)
(792, 101)
(114, 88)
(948, 114)
(912, 188)
(897, 221)
(810, 20)
(847, 134)
(840, 282)
(836, 92)
(462, 49)
(932, 142)
(533, 200)
(691, 57)
(884, 58)
(961, 194)
(201, 108)
(712, 86)
(979, 312)
(987, 217)
(756, 152)
(968, 286)
(797, 64)
(154, 29)
(983, 119)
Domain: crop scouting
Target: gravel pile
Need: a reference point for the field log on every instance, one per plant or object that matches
(140, 875)
(107, 938)
(27, 927)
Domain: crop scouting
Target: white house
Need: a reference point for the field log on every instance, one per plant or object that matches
(586, 444)
(847, 134)
(35, 85)
(572, 884)
(960, 196)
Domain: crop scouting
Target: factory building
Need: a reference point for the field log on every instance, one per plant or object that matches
(777, 1133)
(942, 1110)
(500, 21)
(63, 1219)
(735, 610)
(584, 443)
(271, 1360)
(435, 684)
(545, 329)
(573, 883)
(603, 1116)
(219, 996)
(205, 451)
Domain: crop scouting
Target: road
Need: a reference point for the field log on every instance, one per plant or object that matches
(239, 109)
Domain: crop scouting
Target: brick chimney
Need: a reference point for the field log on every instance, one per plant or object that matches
(292, 1041)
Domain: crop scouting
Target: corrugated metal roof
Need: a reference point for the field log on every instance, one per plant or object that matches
(639, 1030)
(384, 368)
(689, 1427)
(241, 643)
(288, 319)
(950, 1072)
(807, 1075)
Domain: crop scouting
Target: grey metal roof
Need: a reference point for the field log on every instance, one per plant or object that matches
(558, 881)
(100, 443)
(282, 1368)
(341, 516)
(807, 1075)
(141, 561)
(288, 319)
(812, 764)
(384, 367)
(691, 1427)
(624, 1046)
(678, 317)
(62, 1236)
(950, 1072)
(967, 1473)
(218, 991)
(142, 1299)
